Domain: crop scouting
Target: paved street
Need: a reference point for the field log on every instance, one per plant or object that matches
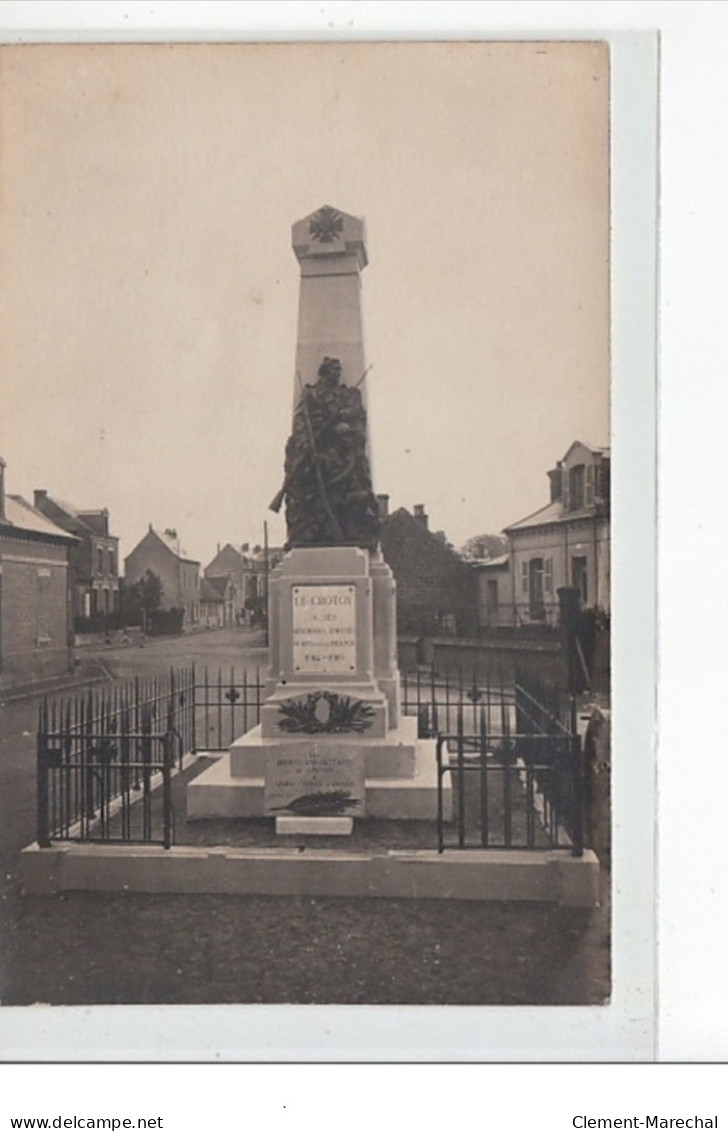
(238, 648)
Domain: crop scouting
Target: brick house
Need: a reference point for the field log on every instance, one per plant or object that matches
(35, 596)
(94, 559)
(435, 587)
(162, 554)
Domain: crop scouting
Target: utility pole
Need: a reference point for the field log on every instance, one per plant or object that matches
(265, 580)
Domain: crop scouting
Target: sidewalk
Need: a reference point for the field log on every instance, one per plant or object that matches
(87, 671)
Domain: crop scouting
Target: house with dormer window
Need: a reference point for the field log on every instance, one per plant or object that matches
(565, 543)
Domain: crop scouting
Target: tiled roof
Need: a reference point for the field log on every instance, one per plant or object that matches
(75, 514)
(175, 546)
(218, 584)
(209, 592)
(552, 513)
(595, 448)
(483, 563)
(20, 514)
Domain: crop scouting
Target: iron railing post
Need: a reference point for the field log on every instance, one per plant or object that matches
(440, 815)
(578, 791)
(42, 769)
(193, 709)
(483, 751)
(167, 764)
(146, 752)
(461, 779)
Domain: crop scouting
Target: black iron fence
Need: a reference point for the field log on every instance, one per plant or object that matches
(443, 700)
(101, 755)
(227, 704)
(509, 764)
(512, 763)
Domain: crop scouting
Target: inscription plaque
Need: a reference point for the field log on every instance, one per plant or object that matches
(319, 781)
(324, 628)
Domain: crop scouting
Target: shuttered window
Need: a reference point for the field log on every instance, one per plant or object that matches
(548, 575)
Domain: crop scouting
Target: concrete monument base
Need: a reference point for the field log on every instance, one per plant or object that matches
(493, 875)
(218, 792)
(314, 826)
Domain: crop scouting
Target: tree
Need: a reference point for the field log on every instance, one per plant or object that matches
(483, 547)
(144, 596)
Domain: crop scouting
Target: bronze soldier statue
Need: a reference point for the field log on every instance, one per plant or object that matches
(328, 487)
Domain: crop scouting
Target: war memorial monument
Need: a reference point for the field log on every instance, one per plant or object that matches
(332, 745)
(333, 753)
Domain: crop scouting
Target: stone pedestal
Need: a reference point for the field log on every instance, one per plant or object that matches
(332, 742)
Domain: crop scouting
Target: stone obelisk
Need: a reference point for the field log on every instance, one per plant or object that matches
(331, 249)
(332, 744)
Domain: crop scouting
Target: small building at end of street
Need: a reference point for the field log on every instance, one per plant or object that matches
(161, 553)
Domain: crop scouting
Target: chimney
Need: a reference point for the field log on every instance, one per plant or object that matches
(383, 503)
(171, 533)
(419, 514)
(39, 497)
(2, 488)
(245, 548)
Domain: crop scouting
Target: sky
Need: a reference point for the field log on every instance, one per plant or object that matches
(149, 290)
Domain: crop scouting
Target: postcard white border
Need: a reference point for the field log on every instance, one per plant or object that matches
(624, 1030)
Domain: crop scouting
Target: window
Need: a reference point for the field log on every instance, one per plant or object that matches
(537, 584)
(576, 487)
(99, 560)
(43, 607)
(548, 576)
(112, 563)
(536, 608)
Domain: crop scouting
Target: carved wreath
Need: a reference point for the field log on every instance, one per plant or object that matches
(325, 712)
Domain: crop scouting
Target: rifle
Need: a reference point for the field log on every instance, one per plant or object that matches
(276, 504)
